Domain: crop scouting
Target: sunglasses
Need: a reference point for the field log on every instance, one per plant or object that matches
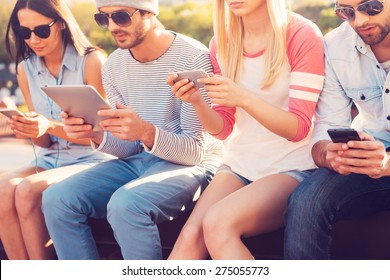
(370, 8)
(120, 18)
(42, 31)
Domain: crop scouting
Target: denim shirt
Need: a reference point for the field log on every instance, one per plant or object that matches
(352, 75)
(71, 73)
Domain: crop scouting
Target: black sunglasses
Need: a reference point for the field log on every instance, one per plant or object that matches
(42, 31)
(120, 18)
(370, 8)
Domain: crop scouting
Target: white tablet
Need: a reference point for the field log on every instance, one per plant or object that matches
(81, 101)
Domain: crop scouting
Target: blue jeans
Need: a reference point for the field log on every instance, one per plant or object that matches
(323, 199)
(135, 194)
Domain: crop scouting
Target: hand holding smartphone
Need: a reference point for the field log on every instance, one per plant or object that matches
(192, 76)
(343, 135)
(11, 112)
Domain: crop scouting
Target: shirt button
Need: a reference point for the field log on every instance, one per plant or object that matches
(378, 67)
(387, 90)
(363, 97)
(388, 118)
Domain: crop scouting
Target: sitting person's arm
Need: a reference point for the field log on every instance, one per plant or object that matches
(37, 126)
(334, 110)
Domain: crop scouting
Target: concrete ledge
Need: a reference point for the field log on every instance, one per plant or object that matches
(362, 239)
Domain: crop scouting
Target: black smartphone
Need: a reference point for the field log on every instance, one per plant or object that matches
(343, 135)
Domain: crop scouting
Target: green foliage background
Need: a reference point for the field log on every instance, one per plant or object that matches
(192, 18)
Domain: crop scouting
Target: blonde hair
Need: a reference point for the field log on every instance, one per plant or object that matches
(229, 33)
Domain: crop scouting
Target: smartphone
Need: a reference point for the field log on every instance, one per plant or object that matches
(343, 135)
(192, 75)
(11, 112)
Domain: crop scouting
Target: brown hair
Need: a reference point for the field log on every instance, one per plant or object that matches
(55, 9)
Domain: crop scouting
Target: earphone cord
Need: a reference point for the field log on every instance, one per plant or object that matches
(57, 83)
(35, 155)
(50, 102)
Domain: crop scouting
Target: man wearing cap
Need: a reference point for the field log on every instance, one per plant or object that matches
(353, 180)
(164, 155)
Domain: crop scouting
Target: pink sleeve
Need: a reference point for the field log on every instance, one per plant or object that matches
(229, 119)
(306, 57)
(227, 113)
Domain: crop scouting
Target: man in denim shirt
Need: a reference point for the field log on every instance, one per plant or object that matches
(353, 179)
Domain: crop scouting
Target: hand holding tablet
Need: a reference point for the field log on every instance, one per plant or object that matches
(81, 101)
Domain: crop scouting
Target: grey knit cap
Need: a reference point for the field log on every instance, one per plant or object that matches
(146, 5)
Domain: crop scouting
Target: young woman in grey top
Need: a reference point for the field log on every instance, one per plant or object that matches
(49, 49)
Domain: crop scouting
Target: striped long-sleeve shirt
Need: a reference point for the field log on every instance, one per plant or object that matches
(252, 150)
(179, 137)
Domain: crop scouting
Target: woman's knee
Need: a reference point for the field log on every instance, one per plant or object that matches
(216, 226)
(27, 197)
(191, 235)
(7, 196)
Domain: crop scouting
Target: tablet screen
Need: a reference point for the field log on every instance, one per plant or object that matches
(81, 101)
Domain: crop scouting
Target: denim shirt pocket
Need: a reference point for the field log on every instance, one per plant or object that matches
(369, 102)
(364, 97)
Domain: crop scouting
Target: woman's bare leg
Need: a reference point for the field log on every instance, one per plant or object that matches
(10, 231)
(254, 209)
(190, 243)
(28, 204)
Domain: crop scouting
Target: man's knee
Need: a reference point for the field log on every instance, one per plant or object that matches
(125, 202)
(314, 198)
(299, 203)
(54, 197)
(305, 202)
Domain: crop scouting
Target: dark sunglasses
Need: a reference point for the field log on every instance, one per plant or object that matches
(42, 31)
(120, 18)
(370, 8)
